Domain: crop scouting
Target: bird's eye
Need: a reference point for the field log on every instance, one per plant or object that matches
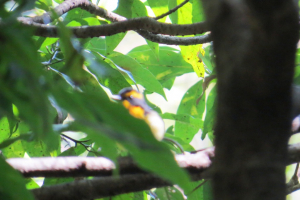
(130, 97)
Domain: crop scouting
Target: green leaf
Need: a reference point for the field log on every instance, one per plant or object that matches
(187, 120)
(31, 184)
(142, 75)
(205, 56)
(207, 191)
(138, 9)
(154, 47)
(4, 129)
(197, 11)
(106, 75)
(12, 183)
(111, 42)
(96, 45)
(190, 55)
(24, 82)
(159, 7)
(197, 192)
(77, 14)
(190, 105)
(173, 16)
(210, 111)
(186, 146)
(169, 65)
(184, 13)
(124, 8)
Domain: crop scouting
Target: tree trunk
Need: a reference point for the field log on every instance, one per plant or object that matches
(255, 45)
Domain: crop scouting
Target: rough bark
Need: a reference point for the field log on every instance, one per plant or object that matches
(255, 44)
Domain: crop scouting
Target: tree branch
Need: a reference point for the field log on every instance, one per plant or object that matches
(131, 177)
(99, 187)
(99, 166)
(149, 25)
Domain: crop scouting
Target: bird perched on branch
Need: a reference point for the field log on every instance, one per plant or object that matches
(135, 102)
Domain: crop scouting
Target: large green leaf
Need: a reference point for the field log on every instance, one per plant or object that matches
(141, 75)
(169, 65)
(12, 184)
(190, 105)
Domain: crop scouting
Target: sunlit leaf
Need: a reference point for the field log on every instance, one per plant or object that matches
(190, 55)
(169, 65)
(159, 7)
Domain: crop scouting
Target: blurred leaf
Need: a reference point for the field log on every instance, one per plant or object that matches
(4, 129)
(12, 184)
(207, 191)
(168, 193)
(43, 4)
(24, 80)
(128, 196)
(54, 181)
(77, 14)
(197, 192)
(31, 184)
(167, 67)
(10, 141)
(190, 106)
(96, 45)
(141, 75)
(190, 55)
(159, 7)
(106, 75)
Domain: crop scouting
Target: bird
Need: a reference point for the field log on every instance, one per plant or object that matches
(135, 103)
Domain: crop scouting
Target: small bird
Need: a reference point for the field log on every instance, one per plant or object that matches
(135, 102)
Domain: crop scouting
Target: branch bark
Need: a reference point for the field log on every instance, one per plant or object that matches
(131, 178)
(149, 28)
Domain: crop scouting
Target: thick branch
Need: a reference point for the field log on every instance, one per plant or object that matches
(51, 31)
(92, 166)
(131, 178)
(99, 187)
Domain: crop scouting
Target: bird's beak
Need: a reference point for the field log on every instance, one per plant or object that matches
(116, 97)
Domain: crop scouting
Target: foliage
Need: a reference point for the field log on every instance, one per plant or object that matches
(43, 80)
